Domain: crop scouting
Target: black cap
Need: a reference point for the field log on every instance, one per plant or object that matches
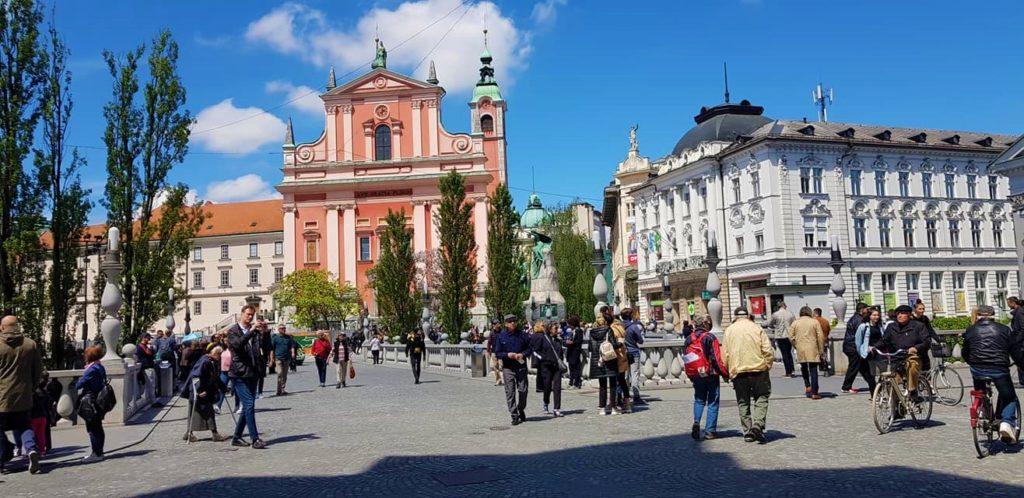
(495, 321)
(510, 318)
(904, 309)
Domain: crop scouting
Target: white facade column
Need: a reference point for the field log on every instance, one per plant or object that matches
(332, 133)
(349, 242)
(432, 125)
(346, 131)
(289, 239)
(419, 226)
(417, 136)
(677, 218)
(642, 246)
(333, 257)
(396, 143)
(664, 224)
(480, 235)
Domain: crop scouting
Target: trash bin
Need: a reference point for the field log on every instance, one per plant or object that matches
(478, 361)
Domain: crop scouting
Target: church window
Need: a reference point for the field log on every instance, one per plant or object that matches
(487, 124)
(382, 143)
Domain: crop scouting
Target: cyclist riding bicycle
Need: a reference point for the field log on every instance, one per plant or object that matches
(910, 336)
(988, 347)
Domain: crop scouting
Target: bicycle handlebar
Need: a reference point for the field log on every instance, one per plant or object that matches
(898, 353)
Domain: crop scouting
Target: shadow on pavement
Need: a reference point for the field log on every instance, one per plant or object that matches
(292, 438)
(611, 469)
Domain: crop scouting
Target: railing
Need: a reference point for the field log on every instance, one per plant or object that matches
(133, 396)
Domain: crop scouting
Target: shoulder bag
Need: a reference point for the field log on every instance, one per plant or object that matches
(562, 366)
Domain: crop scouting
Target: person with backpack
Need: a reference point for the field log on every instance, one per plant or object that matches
(599, 370)
(616, 342)
(89, 386)
(704, 366)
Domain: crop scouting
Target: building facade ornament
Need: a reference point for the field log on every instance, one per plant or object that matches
(977, 212)
(908, 210)
(736, 218)
(860, 209)
(971, 168)
(954, 212)
(931, 211)
(880, 163)
(948, 166)
(816, 208)
(884, 210)
(756, 212)
(903, 164)
(926, 165)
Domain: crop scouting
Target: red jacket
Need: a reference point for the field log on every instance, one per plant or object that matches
(321, 349)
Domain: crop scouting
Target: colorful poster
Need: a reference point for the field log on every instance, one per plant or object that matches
(757, 305)
(890, 300)
(866, 298)
(937, 305)
(960, 301)
(631, 243)
(913, 297)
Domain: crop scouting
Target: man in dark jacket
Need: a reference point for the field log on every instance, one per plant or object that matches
(1017, 330)
(266, 352)
(21, 368)
(512, 347)
(919, 316)
(246, 358)
(988, 348)
(415, 347)
(854, 363)
(574, 352)
(634, 339)
(284, 346)
(910, 336)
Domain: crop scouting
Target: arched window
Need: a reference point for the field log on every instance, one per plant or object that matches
(487, 124)
(382, 143)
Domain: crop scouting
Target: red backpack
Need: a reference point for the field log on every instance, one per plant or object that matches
(695, 360)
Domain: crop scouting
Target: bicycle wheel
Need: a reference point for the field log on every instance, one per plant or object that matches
(983, 430)
(883, 407)
(948, 387)
(921, 411)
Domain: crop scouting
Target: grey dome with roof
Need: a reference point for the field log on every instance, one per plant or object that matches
(722, 123)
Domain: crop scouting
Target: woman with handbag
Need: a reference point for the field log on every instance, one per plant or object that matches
(550, 355)
(89, 385)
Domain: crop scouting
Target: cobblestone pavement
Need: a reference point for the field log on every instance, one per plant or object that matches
(384, 436)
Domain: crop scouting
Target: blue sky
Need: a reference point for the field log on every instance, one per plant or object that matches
(575, 74)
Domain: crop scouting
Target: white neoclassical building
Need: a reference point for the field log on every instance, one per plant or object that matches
(916, 213)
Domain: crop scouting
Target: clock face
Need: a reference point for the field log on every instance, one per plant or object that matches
(381, 112)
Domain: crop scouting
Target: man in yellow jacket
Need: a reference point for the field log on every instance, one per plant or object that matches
(748, 356)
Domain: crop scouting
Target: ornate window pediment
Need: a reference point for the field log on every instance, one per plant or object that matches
(926, 165)
(854, 162)
(931, 211)
(752, 164)
(810, 160)
(954, 212)
(816, 208)
(687, 230)
(907, 210)
(736, 218)
(903, 164)
(756, 213)
(998, 213)
(949, 167)
(860, 210)
(977, 212)
(971, 168)
(884, 210)
(734, 170)
(703, 226)
(880, 163)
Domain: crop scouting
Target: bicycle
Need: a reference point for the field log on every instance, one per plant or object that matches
(985, 421)
(891, 401)
(947, 385)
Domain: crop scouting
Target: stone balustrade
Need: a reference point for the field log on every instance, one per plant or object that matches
(132, 396)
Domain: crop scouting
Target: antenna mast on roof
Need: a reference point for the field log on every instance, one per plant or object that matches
(822, 99)
(725, 69)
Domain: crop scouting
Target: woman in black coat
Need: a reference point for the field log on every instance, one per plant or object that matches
(598, 367)
(574, 352)
(549, 354)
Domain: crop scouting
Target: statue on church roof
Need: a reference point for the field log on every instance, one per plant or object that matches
(381, 61)
(633, 145)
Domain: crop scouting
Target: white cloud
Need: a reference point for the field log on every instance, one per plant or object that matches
(545, 13)
(248, 187)
(300, 97)
(296, 29)
(223, 127)
(191, 198)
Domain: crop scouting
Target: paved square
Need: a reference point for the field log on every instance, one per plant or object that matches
(384, 436)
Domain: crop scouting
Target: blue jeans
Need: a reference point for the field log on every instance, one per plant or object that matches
(705, 393)
(245, 391)
(1006, 404)
(20, 424)
(224, 379)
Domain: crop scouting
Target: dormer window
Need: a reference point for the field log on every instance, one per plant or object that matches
(847, 133)
(985, 142)
(920, 138)
(382, 143)
(487, 124)
(953, 140)
(885, 135)
(807, 130)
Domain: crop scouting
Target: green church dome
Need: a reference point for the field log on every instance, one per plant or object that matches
(535, 214)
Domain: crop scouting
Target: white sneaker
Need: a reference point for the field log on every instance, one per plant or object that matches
(1006, 433)
(616, 411)
(238, 411)
(92, 458)
(216, 409)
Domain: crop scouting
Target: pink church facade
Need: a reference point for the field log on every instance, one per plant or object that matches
(384, 147)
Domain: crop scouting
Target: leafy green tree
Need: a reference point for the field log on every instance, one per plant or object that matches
(505, 293)
(145, 137)
(573, 255)
(456, 257)
(68, 202)
(317, 297)
(394, 276)
(22, 63)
